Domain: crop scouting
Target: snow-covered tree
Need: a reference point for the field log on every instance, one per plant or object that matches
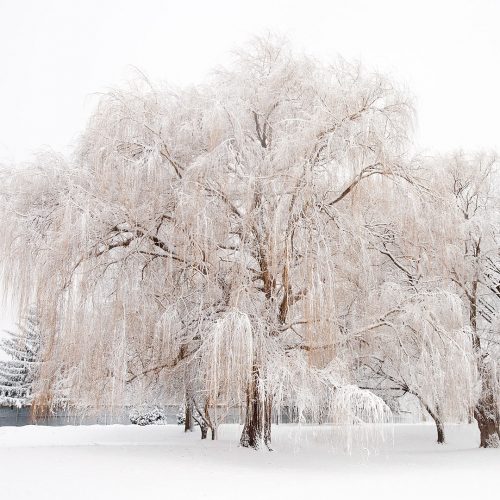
(216, 229)
(425, 352)
(425, 343)
(258, 241)
(470, 198)
(19, 371)
(442, 256)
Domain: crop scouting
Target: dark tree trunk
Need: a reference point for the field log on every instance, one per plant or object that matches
(257, 428)
(486, 410)
(210, 423)
(440, 432)
(439, 424)
(204, 430)
(204, 421)
(488, 429)
(188, 416)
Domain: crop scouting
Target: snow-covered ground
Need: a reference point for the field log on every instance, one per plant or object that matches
(129, 462)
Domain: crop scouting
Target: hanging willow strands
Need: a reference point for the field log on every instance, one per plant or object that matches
(221, 243)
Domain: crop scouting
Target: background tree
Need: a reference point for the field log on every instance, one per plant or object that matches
(424, 344)
(470, 198)
(18, 374)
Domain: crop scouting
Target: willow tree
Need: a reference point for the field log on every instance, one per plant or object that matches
(423, 348)
(469, 196)
(204, 239)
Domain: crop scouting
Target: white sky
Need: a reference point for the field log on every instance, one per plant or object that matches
(57, 54)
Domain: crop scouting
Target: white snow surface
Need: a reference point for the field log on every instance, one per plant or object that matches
(129, 462)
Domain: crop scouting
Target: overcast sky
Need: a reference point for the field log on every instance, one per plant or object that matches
(57, 55)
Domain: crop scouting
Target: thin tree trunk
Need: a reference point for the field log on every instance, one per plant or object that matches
(439, 424)
(212, 425)
(257, 428)
(204, 420)
(188, 416)
(440, 432)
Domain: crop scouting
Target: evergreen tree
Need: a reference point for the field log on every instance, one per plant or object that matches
(18, 373)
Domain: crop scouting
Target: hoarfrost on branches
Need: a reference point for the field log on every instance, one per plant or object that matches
(261, 241)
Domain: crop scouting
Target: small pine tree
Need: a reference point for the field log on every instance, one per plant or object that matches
(18, 373)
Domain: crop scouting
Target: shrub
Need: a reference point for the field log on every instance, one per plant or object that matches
(147, 415)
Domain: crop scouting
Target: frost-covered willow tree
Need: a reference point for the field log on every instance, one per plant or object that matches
(208, 239)
(470, 225)
(423, 348)
(425, 351)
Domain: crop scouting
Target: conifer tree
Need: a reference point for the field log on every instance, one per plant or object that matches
(17, 373)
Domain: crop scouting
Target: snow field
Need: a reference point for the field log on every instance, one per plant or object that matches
(130, 462)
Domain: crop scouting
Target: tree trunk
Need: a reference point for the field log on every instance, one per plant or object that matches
(488, 428)
(486, 410)
(440, 432)
(204, 430)
(201, 421)
(439, 424)
(257, 428)
(204, 420)
(188, 416)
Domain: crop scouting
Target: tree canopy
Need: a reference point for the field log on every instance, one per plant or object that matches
(264, 239)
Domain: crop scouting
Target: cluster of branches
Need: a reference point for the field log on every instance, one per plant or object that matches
(259, 241)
